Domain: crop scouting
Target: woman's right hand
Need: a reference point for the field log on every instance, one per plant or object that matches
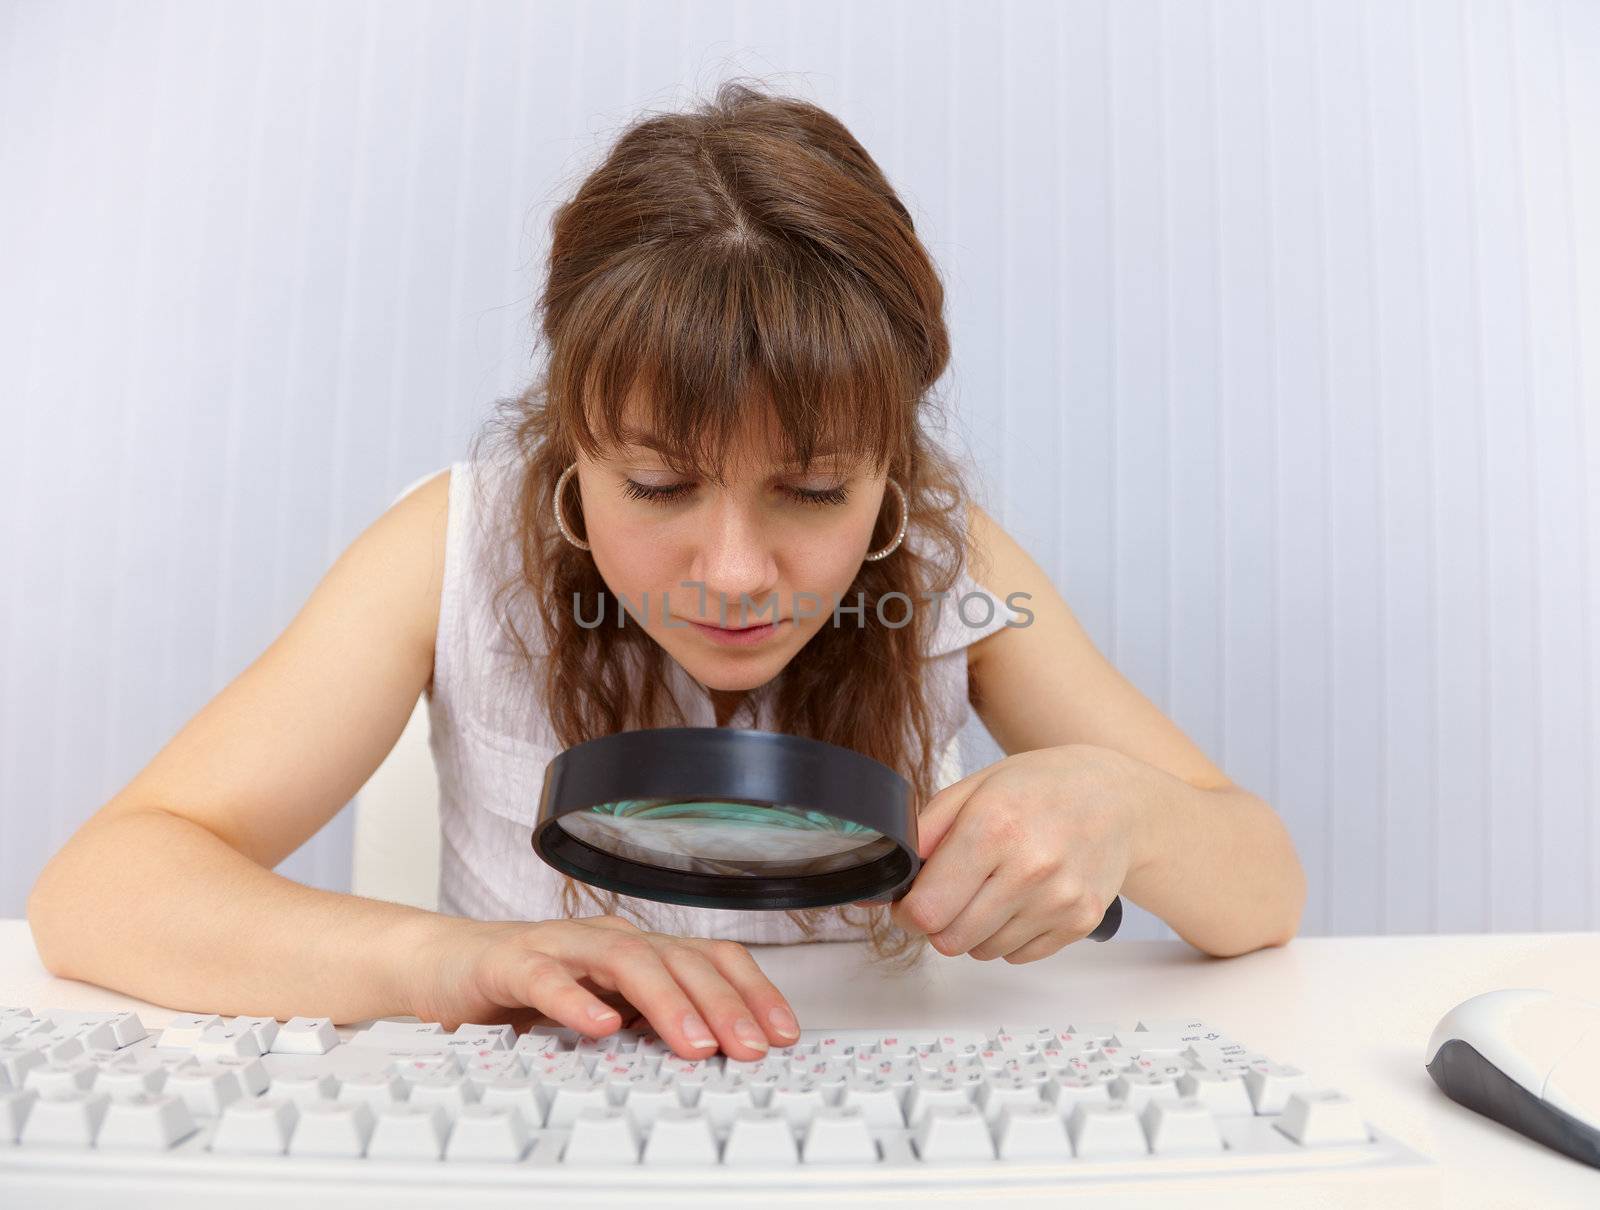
(492, 971)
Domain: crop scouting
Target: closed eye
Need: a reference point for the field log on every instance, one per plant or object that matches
(669, 492)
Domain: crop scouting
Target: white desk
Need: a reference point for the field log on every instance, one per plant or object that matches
(1353, 1011)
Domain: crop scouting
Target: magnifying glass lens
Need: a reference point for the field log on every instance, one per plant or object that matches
(730, 837)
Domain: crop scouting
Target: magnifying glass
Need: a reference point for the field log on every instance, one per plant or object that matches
(727, 817)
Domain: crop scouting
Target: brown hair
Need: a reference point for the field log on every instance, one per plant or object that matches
(745, 258)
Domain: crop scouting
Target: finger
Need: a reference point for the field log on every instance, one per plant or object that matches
(949, 880)
(739, 967)
(940, 811)
(736, 1028)
(633, 966)
(1041, 946)
(547, 985)
(986, 914)
(1013, 933)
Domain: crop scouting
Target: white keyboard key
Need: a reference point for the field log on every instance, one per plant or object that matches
(123, 1028)
(1139, 1088)
(205, 1088)
(303, 1087)
(386, 1033)
(1152, 1043)
(128, 1029)
(569, 1094)
(516, 1092)
(1000, 1091)
(1035, 1131)
(375, 1088)
(1220, 1092)
(504, 1035)
(70, 1120)
(485, 1071)
(1109, 1131)
(537, 1046)
(562, 1065)
(1159, 1025)
(264, 1028)
(15, 1063)
(931, 1092)
(961, 1042)
(723, 1096)
(838, 1134)
(681, 1135)
(14, 1107)
(50, 1046)
(878, 1101)
(561, 1033)
(58, 1079)
(602, 1136)
(227, 1042)
(798, 1098)
(1099, 1031)
(760, 1138)
(259, 1126)
(403, 1131)
(953, 1132)
(305, 1036)
(414, 1067)
(1177, 1126)
(1271, 1083)
(18, 1029)
(91, 1035)
(184, 1030)
(145, 1121)
(645, 1097)
(132, 1075)
(487, 1132)
(1066, 1090)
(333, 1129)
(1321, 1117)
(249, 1073)
(450, 1092)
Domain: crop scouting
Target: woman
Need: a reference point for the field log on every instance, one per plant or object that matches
(743, 331)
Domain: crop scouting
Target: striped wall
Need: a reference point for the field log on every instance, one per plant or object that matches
(1277, 342)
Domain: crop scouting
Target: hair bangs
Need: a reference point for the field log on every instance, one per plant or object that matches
(688, 349)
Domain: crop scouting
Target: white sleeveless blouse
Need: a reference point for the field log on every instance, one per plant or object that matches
(491, 738)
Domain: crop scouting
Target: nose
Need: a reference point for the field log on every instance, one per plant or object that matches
(735, 555)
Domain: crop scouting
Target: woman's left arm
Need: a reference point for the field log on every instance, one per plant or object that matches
(1099, 793)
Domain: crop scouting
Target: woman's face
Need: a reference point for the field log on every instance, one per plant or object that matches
(770, 532)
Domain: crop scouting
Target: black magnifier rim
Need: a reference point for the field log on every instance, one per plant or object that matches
(729, 764)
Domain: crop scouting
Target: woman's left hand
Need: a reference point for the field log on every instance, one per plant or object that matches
(1024, 856)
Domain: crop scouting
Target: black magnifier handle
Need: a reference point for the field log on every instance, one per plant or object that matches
(1109, 923)
(1104, 931)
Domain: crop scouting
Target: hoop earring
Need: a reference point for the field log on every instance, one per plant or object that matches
(561, 522)
(905, 516)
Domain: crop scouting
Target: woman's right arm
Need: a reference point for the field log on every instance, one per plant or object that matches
(168, 891)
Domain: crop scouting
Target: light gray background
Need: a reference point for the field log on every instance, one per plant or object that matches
(1277, 342)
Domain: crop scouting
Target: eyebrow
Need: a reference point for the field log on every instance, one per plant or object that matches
(644, 440)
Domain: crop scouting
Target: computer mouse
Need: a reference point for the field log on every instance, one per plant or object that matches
(1529, 1059)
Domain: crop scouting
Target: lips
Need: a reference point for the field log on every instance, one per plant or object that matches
(731, 629)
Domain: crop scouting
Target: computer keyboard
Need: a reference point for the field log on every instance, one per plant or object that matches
(405, 1112)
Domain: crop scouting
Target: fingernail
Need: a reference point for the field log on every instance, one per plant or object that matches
(698, 1031)
(750, 1033)
(602, 1014)
(783, 1021)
